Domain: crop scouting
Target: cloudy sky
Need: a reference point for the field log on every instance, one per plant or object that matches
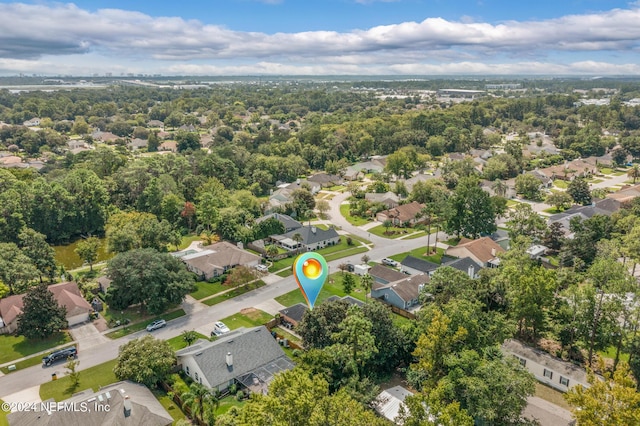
(321, 37)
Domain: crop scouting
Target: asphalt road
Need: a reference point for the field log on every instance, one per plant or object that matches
(33, 376)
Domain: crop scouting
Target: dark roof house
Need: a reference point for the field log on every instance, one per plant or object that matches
(414, 265)
(294, 313)
(383, 275)
(289, 223)
(403, 294)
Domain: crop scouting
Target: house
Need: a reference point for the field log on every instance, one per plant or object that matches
(348, 299)
(67, 294)
(374, 165)
(570, 170)
(279, 199)
(34, 122)
(414, 265)
(383, 275)
(626, 193)
(311, 238)
(406, 213)
(555, 372)
(155, 123)
(420, 177)
(606, 207)
(314, 187)
(403, 293)
(246, 356)
(325, 179)
(103, 284)
(483, 250)
(288, 222)
(137, 143)
(388, 402)
(293, 314)
(168, 146)
(389, 199)
(466, 265)
(77, 144)
(119, 404)
(218, 258)
(536, 251)
(104, 136)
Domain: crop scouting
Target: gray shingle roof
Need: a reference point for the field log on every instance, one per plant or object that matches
(288, 222)
(463, 264)
(419, 264)
(311, 237)
(295, 312)
(251, 348)
(379, 272)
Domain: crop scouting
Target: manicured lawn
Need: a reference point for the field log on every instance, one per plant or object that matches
(393, 231)
(178, 342)
(174, 411)
(329, 289)
(596, 180)
(247, 318)
(354, 220)
(284, 333)
(619, 173)
(337, 251)
(133, 314)
(282, 263)
(94, 377)
(132, 328)
(3, 416)
(205, 289)
(416, 235)
(25, 363)
(512, 203)
(552, 210)
(227, 402)
(553, 396)
(345, 253)
(285, 273)
(337, 188)
(452, 241)
(560, 183)
(14, 346)
(611, 354)
(606, 171)
(420, 254)
(233, 293)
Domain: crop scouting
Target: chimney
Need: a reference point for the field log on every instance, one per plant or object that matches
(471, 271)
(127, 406)
(313, 229)
(229, 359)
(493, 252)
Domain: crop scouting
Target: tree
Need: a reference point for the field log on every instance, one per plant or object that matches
(149, 278)
(578, 189)
(72, 372)
(348, 283)
(189, 336)
(144, 360)
(134, 230)
(87, 250)
(430, 409)
(446, 284)
(16, 268)
(268, 227)
(471, 211)
(634, 173)
(271, 250)
(365, 259)
(323, 207)
(613, 401)
(528, 186)
(298, 238)
(387, 224)
(523, 221)
(354, 335)
(188, 141)
(619, 156)
(303, 200)
(367, 282)
(560, 200)
(240, 275)
(500, 188)
(34, 245)
(201, 402)
(41, 315)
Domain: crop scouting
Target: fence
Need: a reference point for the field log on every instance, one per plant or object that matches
(401, 312)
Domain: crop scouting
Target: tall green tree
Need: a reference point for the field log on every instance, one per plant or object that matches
(41, 315)
(528, 186)
(201, 402)
(87, 250)
(471, 211)
(578, 189)
(144, 360)
(523, 221)
(16, 269)
(354, 335)
(34, 245)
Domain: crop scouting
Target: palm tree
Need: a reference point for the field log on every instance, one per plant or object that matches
(367, 282)
(387, 224)
(297, 237)
(500, 188)
(200, 400)
(634, 172)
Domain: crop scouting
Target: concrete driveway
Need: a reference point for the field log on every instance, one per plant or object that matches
(87, 336)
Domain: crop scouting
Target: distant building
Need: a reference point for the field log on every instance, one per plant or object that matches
(389, 402)
(288, 222)
(405, 213)
(503, 86)
(218, 258)
(414, 265)
(311, 238)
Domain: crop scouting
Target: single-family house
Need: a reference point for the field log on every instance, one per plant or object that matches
(483, 250)
(405, 213)
(314, 187)
(77, 144)
(293, 314)
(279, 199)
(325, 179)
(67, 294)
(388, 403)
(137, 143)
(389, 199)
(420, 177)
(120, 404)
(155, 123)
(288, 222)
(216, 259)
(34, 122)
(247, 356)
(169, 146)
(606, 207)
(570, 170)
(310, 238)
(403, 294)
(413, 265)
(374, 165)
(348, 299)
(466, 265)
(536, 251)
(626, 193)
(383, 275)
(555, 372)
(104, 136)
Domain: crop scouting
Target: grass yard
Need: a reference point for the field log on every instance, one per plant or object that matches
(611, 354)
(174, 411)
(227, 402)
(132, 328)
(354, 220)
(345, 253)
(512, 203)
(205, 289)
(14, 346)
(330, 253)
(285, 273)
(452, 241)
(420, 254)
(178, 342)
(416, 235)
(595, 180)
(606, 171)
(552, 210)
(282, 263)
(3, 416)
(393, 231)
(94, 377)
(234, 293)
(332, 287)
(25, 363)
(133, 314)
(551, 395)
(560, 183)
(284, 333)
(337, 188)
(249, 317)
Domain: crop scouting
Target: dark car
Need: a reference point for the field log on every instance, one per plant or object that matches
(61, 355)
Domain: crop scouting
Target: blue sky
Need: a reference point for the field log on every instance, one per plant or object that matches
(239, 37)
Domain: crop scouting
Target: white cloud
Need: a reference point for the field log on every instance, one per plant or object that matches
(136, 40)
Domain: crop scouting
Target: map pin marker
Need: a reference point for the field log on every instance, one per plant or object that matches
(310, 271)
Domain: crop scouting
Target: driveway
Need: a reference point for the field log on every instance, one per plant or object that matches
(87, 336)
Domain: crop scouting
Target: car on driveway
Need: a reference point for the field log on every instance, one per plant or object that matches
(262, 268)
(219, 328)
(156, 325)
(61, 355)
(389, 262)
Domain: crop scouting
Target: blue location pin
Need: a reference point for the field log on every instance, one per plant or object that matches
(310, 271)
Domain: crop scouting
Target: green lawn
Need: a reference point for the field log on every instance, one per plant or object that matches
(512, 203)
(174, 411)
(205, 289)
(233, 293)
(345, 253)
(282, 263)
(132, 328)
(452, 241)
(606, 171)
(329, 289)
(596, 180)
(284, 333)
(227, 402)
(330, 253)
(337, 188)
(248, 318)
(25, 363)
(14, 346)
(611, 354)
(560, 183)
(133, 314)
(420, 254)
(285, 273)
(553, 396)
(354, 220)
(3, 416)
(94, 377)
(186, 241)
(416, 235)
(178, 342)
(552, 210)
(394, 231)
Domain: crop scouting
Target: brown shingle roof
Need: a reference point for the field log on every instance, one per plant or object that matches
(68, 295)
(386, 274)
(480, 248)
(224, 255)
(404, 212)
(10, 308)
(409, 288)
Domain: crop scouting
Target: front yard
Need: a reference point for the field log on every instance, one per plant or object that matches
(332, 287)
(233, 293)
(94, 378)
(141, 325)
(178, 342)
(14, 346)
(249, 317)
(205, 289)
(420, 254)
(354, 220)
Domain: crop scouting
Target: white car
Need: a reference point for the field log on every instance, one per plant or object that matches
(156, 325)
(219, 328)
(389, 262)
(262, 268)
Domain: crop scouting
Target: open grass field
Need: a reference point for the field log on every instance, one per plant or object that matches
(249, 317)
(94, 377)
(14, 346)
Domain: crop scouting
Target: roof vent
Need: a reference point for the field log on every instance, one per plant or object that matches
(229, 359)
(127, 406)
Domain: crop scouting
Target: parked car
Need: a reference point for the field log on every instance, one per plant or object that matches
(219, 328)
(262, 268)
(389, 262)
(61, 355)
(156, 325)
(350, 267)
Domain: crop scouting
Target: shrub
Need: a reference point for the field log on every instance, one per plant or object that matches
(240, 395)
